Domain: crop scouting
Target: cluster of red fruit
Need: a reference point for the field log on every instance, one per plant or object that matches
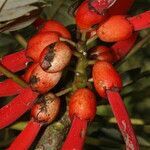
(50, 55)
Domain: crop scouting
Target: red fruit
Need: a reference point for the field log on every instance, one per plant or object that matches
(101, 5)
(46, 110)
(116, 28)
(91, 33)
(86, 18)
(55, 26)
(28, 72)
(42, 81)
(105, 78)
(82, 104)
(120, 7)
(122, 48)
(39, 42)
(55, 57)
(102, 53)
(82, 109)
(42, 112)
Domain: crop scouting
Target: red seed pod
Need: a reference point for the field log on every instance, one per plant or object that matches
(55, 57)
(122, 48)
(38, 42)
(82, 104)
(105, 78)
(120, 7)
(116, 28)
(55, 26)
(101, 5)
(47, 109)
(28, 72)
(42, 81)
(102, 53)
(86, 18)
(91, 33)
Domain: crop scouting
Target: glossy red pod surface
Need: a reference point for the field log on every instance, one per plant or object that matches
(55, 26)
(39, 42)
(42, 81)
(120, 7)
(105, 78)
(86, 18)
(55, 57)
(47, 109)
(102, 53)
(28, 72)
(82, 104)
(113, 7)
(116, 28)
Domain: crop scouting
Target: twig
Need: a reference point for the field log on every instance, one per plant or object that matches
(21, 40)
(14, 77)
(91, 62)
(89, 41)
(68, 41)
(63, 92)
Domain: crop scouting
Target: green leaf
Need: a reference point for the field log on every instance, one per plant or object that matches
(21, 25)
(6, 40)
(112, 133)
(2, 2)
(11, 4)
(104, 110)
(19, 126)
(11, 14)
(58, 10)
(142, 141)
(130, 76)
(16, 14)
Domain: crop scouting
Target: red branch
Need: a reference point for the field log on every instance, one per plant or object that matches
(122, 48)
(140, 21)
(26, 137)
(123, 120)
(76, 136)
(15, 62)
(9, 88)
(17, 107)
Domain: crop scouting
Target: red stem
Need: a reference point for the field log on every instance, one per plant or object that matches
(15, 62)
(9, 88)
(122, 48)
(17, 107)
(140, 21)
(76, 136)
(123, 120)
(26, 137)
